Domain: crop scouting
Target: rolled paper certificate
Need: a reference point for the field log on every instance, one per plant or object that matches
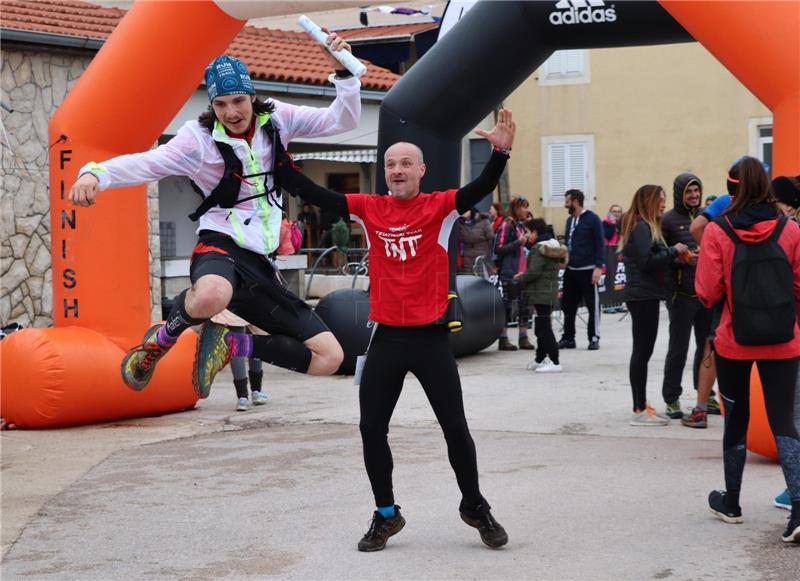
(350, 62)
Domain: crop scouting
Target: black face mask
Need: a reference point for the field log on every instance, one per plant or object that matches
(731, 185)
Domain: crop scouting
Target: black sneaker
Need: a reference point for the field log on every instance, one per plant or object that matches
(380, 529)
(594, 345)
(792, 534)
(492, 533)
(717, 505)
(567, 344)
(713, 406)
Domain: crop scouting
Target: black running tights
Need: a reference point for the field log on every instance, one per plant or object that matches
(425, 352)
(644, 326)
(778, 383)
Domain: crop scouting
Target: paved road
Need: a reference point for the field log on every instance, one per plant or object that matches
(280, 491)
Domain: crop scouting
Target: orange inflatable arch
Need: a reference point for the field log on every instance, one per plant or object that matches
(145, 72)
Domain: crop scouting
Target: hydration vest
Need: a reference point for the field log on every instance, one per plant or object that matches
(226, 193)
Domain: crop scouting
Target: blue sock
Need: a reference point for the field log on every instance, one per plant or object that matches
(386, 511)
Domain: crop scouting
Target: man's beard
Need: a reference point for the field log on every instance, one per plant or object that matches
(571, 210)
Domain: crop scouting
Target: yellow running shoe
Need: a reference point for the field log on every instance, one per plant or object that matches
(140, 362)
(211, 356)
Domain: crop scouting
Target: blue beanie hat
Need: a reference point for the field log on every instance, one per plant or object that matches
(226, 75)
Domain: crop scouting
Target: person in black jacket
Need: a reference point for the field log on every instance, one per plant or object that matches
(586, 244)
(685, 310)
(509, 247)
(646, 257)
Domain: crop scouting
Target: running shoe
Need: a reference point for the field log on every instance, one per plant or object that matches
(783, 500)
(533, 365)
(492, 533)
(211, 356)
(259, 398)
(792, 533)
(594, 345)
(567, 344)
(549, 367)
(697, 419)
(713, 406)
(243, 404)
(380, 529)
(139, 363)
(717, 505)
(646, 418)
(674, 410)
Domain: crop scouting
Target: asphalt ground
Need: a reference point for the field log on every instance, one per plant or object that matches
(280, 491)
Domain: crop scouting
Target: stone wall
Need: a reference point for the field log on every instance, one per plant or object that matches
(35, 81)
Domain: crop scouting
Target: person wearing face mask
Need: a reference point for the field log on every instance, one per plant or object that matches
(586, 244)
(647, 257)
(685, 311)
(408, 232)
(229, 153)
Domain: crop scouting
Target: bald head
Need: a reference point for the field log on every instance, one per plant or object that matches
(404, 148)
(403, 169)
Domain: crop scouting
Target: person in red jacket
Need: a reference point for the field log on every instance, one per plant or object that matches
(753, 216)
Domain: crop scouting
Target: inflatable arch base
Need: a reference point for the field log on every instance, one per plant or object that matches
(36, 395)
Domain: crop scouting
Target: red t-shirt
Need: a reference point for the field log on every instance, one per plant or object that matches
(408, 264)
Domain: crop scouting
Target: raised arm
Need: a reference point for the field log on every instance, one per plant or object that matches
(502, 138)
(297, 184)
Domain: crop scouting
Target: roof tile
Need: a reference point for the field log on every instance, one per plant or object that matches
(271, 55)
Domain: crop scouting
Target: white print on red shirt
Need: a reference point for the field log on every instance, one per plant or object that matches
(396, 241)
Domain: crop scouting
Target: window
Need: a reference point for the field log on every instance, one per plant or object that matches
(168, 239)
(565, 67)
(567, 163)
(760, 138)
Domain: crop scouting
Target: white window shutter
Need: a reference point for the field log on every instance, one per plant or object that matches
(577, 166)
(573, 62)
(554, 66)
(558, 169)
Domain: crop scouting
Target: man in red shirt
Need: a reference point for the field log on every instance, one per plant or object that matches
(408, 232)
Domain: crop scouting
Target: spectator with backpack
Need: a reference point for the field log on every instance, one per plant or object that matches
(750, 259)
(509, 252)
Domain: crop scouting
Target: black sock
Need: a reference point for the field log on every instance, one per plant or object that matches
(282, 351)
(255, 380)
(732, 499)
(179, 320)
(796, 510)
(241, 387)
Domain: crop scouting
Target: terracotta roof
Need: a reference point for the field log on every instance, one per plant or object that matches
(271, 55)
(386, 31)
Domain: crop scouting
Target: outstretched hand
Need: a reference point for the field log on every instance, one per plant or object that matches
(502, 135)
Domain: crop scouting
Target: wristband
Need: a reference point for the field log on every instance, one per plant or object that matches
(506, 152)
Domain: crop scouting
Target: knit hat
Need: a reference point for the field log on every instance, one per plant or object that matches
(787, 190)
(226, 75)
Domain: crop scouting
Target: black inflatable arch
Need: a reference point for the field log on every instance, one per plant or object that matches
(490, 52)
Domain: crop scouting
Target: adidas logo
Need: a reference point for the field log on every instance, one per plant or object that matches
(582, 12)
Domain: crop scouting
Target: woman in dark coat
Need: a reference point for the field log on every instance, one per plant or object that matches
(475, 238)
(646, 257)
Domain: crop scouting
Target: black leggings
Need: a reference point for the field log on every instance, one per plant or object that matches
(425, 352)
(778, 378)
(644, 319)
(546, 345)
